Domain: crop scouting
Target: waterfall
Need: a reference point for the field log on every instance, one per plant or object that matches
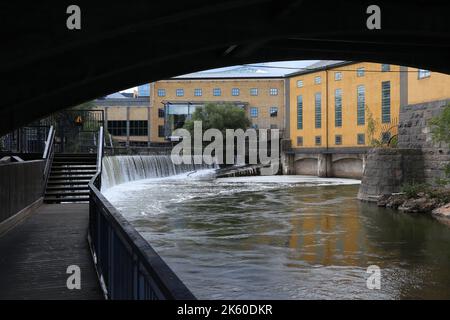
(121, 169)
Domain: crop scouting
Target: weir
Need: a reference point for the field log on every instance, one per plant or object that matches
(122, 169)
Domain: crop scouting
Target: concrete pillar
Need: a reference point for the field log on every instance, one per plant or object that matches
(323, 165)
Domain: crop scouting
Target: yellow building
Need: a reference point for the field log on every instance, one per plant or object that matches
(330, 105)
(174, 100)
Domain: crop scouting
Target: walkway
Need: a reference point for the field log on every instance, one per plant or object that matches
(34, 256)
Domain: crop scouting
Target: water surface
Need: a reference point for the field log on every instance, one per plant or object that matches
(285, 237)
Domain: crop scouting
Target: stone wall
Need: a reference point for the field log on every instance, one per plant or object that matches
(414, 133)
(386, 170)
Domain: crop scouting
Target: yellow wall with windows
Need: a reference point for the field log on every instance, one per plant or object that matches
(436, 86)
(263, 101)
(348, 83)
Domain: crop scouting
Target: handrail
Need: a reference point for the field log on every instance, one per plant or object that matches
(100, 149)
(126, 264)
(49, 142)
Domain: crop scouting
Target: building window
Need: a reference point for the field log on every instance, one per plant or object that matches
(253, 112)
(299, 83)
(235, 91)
(273, 111)
(273, 91)
(180, 92)
(385, 137)
(338, 108)
(361, 105)
(254, 91)
(161, 131)
(422, 73)
(338, 76)
(317, 80)
(197, 92)
(385, 67)
(299, 112)
(318, 110)
(217, 92)
(117, 128)
(161, 113)
(338, 139)
(273, 126)
(361, 139)
(299, 141)
(138, 127)
(318, 140)
(161, 92)
(360, 72)
(386, 101)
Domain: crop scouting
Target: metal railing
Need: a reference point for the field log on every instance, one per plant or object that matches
(49, 151)
(127, 266)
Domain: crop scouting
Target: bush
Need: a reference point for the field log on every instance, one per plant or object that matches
(412, 190)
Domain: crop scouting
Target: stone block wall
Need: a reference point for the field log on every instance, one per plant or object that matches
(414, 133)
(386, 170)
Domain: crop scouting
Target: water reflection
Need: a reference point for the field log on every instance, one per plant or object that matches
(249, 240)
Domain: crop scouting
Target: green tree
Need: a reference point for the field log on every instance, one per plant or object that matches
(219, 116)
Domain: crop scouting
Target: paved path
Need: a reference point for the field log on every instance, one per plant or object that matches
(34, 256)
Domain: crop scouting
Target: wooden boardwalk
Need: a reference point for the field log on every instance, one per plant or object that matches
(34, 256)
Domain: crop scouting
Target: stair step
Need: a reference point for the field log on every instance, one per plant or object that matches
(70, 177)
(68, 188)
(65, 182)
(66, 199)
(75, 162)
(72, 172)
(66, 194)
(74, 167)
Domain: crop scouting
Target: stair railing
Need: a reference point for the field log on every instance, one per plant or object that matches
(48, 154)
(100, 150)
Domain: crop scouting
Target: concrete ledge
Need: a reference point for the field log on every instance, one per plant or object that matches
(14, 220)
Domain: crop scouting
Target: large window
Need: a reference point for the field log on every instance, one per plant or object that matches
(253, 112)
(235, 91)
(161, 132)
(138, 127)
(273, 111)
(338, 108)
(318, 110)
(361, 105)
(422, 73)
(161, 113)
(360, 72)
(217, 92)
(197, 92)
(361, 138)
(338, 139)
(161, 92)
(273, 91)
(386, 101)
(338, 76)
(299, 141)
(180, 92)
(385, 67)
(318, 80)
(318, 140)
(299, 83)
(254, 91)
(299, 112)
(117, 128)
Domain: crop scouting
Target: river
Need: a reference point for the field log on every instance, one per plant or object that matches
(285, 237)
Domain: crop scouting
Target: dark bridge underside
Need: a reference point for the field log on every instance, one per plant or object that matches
(45, 67)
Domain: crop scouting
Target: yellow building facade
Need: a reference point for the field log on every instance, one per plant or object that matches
(262, 98)
(330, 108)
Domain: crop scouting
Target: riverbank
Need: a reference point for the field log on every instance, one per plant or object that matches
(419, 199)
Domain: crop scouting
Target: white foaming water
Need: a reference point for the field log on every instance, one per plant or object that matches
(122, 169)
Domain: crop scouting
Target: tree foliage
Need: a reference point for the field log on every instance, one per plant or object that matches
(440, 126)
(219, 116)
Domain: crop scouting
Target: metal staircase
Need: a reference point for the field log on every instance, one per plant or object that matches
(69, 177)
